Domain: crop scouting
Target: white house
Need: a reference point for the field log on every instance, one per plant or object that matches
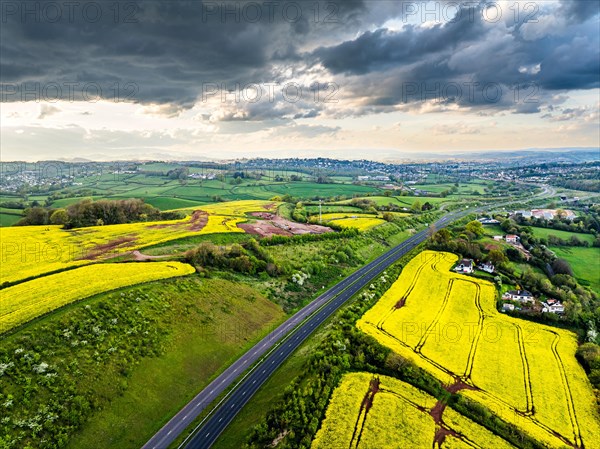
(553, 306)
(464, 266)
(511, 238)
(488, 267)
(518, 295)
(497, 238)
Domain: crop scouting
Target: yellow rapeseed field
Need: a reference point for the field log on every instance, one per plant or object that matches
(237, 208)
(399, 417)
(525, 372)
(29, 251)
(361, 223)
(28, 300)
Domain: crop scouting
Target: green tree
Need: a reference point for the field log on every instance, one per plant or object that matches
(475, 227)
(59, 217)
(497, 257)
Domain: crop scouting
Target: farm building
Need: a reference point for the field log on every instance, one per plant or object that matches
(508, 307)
(553, 306)
(518, 295)
(464, 266)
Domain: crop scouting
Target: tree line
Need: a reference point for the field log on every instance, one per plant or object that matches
(96, 213)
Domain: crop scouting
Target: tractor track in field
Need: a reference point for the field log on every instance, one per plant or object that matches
(477, 337)
(404, 298)
(436, 319)
(567, 390)
(365, 406)
(530, 409)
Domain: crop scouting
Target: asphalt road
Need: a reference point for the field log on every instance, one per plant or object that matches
(271, 352)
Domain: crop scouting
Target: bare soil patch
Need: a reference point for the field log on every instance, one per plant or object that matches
(269, 224)
(198, 220)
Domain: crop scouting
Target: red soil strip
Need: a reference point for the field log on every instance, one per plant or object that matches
(198, 220)
(459, 385)
(373, 389)
(99, 250)
(441, 434)
(400, 303)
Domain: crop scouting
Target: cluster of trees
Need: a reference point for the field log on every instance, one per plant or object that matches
(248, 258)
(95, 213)
(588, 355)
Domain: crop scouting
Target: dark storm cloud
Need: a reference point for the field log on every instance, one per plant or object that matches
(164, 52)
(382, 48)
(166, 49)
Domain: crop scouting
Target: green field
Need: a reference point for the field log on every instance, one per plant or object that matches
(585, 263)
(565, 235)
(8, 219)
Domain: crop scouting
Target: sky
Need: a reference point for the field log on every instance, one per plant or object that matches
(353, 79)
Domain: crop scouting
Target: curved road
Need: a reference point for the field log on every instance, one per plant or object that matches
(274, 349)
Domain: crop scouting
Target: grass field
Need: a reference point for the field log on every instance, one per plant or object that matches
(447, 324)
(30, 251)
(585, 263)
(565, 235)
(385, 413)
(28, 300)
(8, 219)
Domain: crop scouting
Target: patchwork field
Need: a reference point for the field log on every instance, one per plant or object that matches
(367, 412)
(31, 251)
(28, 300)
(526, 373)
